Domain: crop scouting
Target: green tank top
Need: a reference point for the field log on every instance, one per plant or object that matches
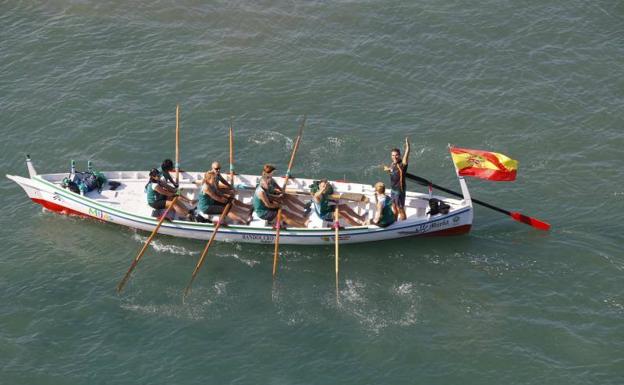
(272, 185)
(204, 201)
(322, 207)
(258, 205)
(387, 215)
(153, 195)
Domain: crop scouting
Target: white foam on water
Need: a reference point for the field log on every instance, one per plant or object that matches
(204, 302)
(270, 137)
(327, 147)
(352, 291)
(371, 315)
(246, 261)
(220, 288)
(407, 294)
(163, 247)
(373, 170)
(404, 289)
(335, 142)
(614, 304)
(194, 313)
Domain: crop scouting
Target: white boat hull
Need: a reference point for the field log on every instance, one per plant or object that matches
(46, 191)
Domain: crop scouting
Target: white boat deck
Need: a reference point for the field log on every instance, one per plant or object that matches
(127, 206)
(130, 195)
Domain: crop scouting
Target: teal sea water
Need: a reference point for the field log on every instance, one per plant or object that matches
(540, 81)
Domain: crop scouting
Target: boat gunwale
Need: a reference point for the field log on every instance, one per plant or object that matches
(242, 229)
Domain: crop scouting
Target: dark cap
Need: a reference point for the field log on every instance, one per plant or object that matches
(154, 172)
(167, 165)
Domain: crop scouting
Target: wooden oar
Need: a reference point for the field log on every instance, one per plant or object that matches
(345, 196)
(336, 236)
(205, 252)
(534, 222)
(177, 142)
(136, 260)
(231, 155)
(277, 234)
(279, 211)
(349, 196)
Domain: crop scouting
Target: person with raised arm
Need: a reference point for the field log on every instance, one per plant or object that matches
(397, 170)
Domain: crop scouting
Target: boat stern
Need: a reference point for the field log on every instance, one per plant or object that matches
(31, 169)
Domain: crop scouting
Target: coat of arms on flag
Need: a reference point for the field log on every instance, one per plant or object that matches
(484, 164)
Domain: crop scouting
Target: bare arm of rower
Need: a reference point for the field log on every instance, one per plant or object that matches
(267, 202)
(318, 195)
(164, 190)
(406, 153)
(224, 184)
(213, 195)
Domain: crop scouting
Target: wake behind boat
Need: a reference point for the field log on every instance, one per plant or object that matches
(122, 201)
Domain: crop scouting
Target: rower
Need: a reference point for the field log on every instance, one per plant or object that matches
(167, 181)
(268, 198)
(165, 168)
(277, 194)
(226, 188)
(212, 201)
(324, 208)
(384, 216)
(158, 193)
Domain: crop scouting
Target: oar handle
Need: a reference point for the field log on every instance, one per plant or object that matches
(294, 152)
(426, 182)
(534, 222)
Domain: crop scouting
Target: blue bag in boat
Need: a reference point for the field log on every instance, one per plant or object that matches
(88, 181)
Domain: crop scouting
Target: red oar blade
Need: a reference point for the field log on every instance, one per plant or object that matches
(530, 221)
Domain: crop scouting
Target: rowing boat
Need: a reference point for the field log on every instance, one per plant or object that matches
(126, 205)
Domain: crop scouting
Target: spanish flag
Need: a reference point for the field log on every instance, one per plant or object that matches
(484, 164)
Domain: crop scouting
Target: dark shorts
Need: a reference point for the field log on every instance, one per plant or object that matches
(398, 198)
(329, 216)
(270, 215)
(215, 208)
(384, 224)
(159, 204)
